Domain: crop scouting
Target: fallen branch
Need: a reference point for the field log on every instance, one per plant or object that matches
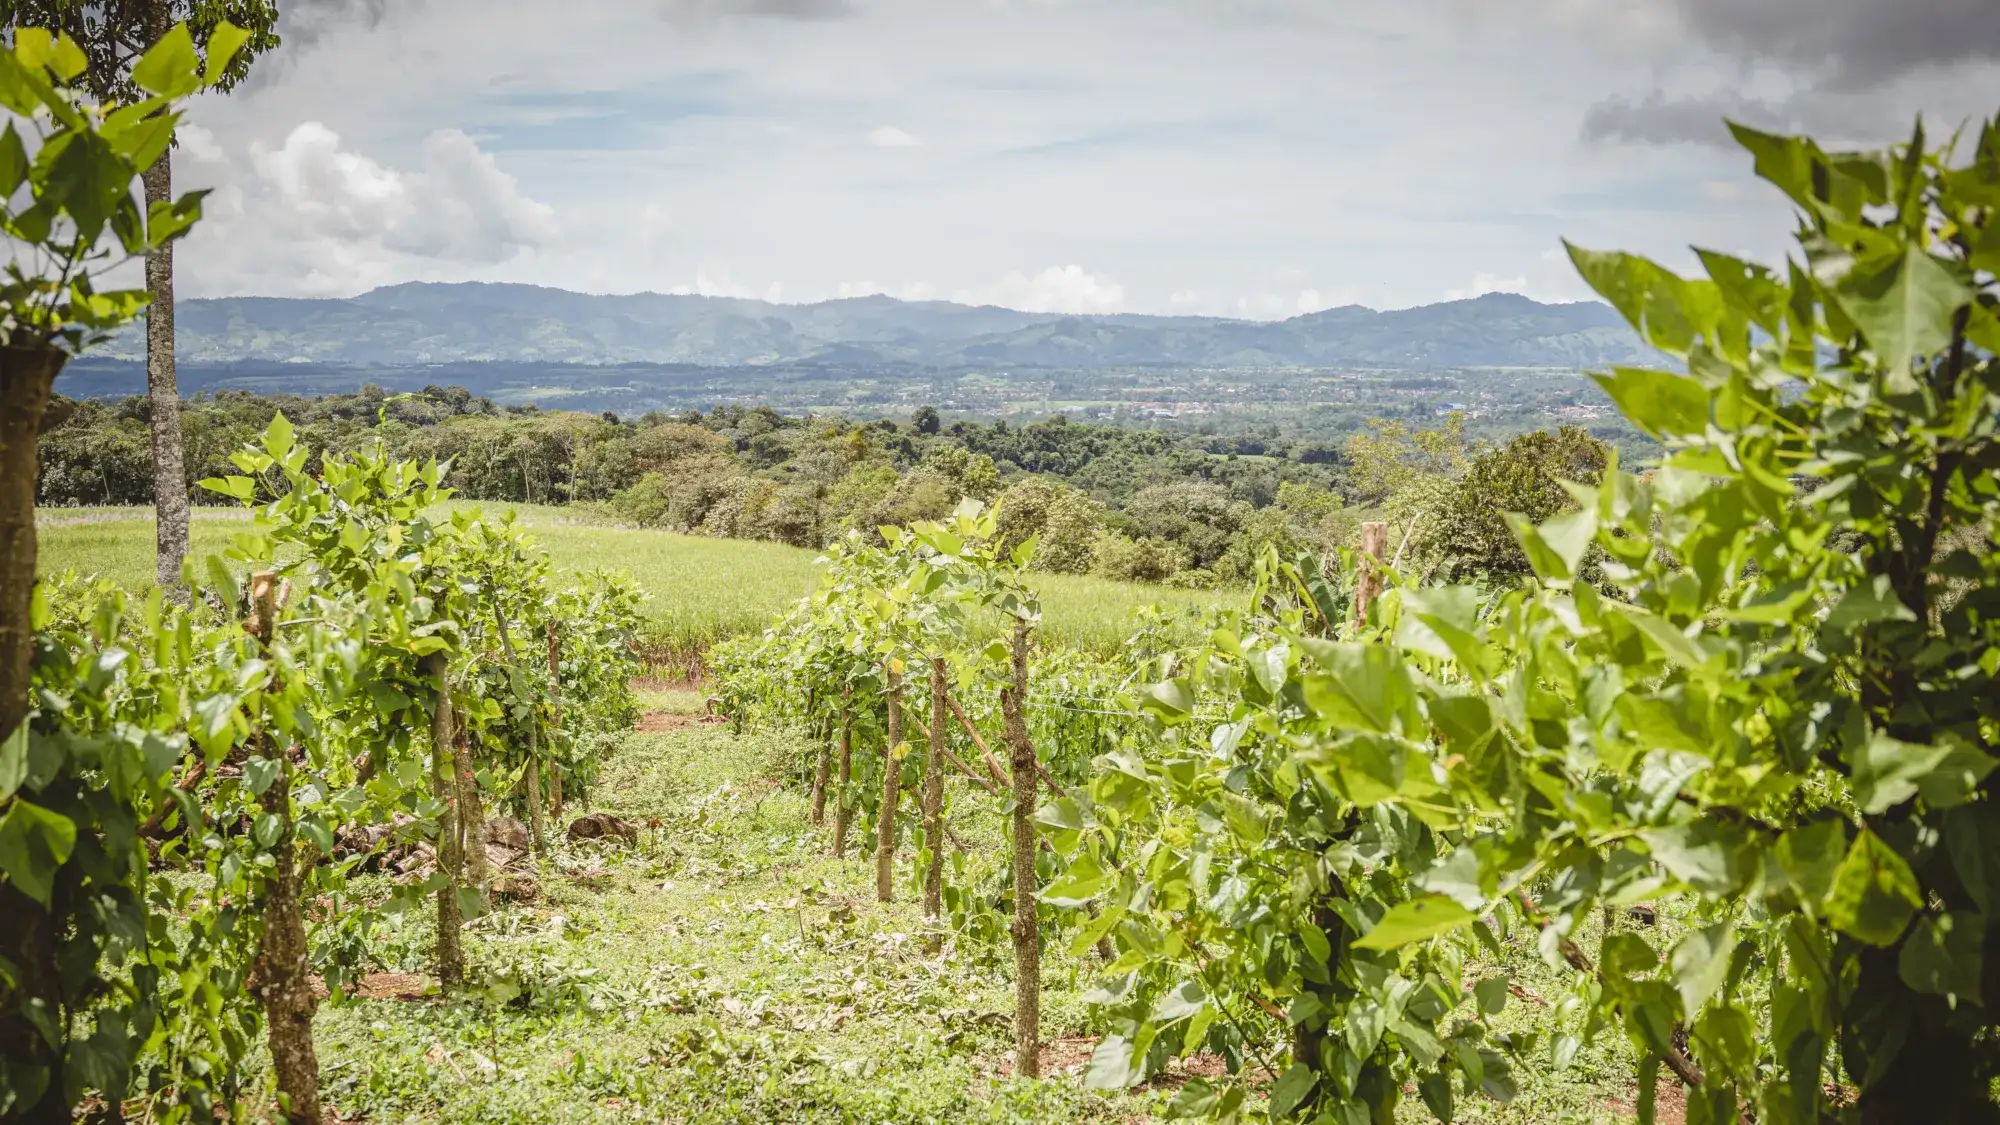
(990, 763)
(953, 758)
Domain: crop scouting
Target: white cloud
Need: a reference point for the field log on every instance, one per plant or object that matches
(715, 281)
(313, 216)
(1057, 289)
(888, 136)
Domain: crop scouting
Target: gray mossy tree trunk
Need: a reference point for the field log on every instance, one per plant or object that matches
(170, 491)
(844, 775)
(820, 769)
(281, 973)
(28, 938)
(892, 785)
(450, 952)
(934, 793)
(1025, 929)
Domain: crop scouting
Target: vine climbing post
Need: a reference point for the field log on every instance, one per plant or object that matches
(450, 955)
(555, 718)
(820, 768)
(892, 784)
(1026, 932)
(842, 808)
(280, 974)
(934, 793)
(1368, 583)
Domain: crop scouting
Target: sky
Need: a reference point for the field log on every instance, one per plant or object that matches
(1247, 158)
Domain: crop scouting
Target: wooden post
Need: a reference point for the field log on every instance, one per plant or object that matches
(1368, 584)
(279, 975)
(471, 815)
(934, 793)
(842, 806)
(555, 719)
(450, 954)
(892, 779)
(819, 771)
(1025, 929)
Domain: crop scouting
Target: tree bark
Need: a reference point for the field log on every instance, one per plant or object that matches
(170, 491)
(450, 953)
(1025, 928)
(281, 972)
(820, 769)
(471, 815)
(842, 807)
(934, 793)
(28, 939)
(892, 779)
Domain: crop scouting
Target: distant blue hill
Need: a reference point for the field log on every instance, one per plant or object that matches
(426, 323)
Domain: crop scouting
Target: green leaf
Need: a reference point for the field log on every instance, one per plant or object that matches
(1110, 1065)
(1709, 855)
(1865, 605)
(169, 67)
(1810, 856)
(1415, 920)
(1491, 994)
(14, 760)
(1874, 893)
(1557, 546)
(1701, 965)
(13, 161)
(1888, 771)
(1904, 309)
(1291, 1089)
(1943, 956)
(223, 43)
(34, 843)
(1661, 403)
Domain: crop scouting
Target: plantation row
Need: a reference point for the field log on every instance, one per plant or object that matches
(187, 783)
(1752, 689)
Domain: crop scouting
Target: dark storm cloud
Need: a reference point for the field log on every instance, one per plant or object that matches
(304, 22)
(1848, 44)
(1658, 119)
(769, 9)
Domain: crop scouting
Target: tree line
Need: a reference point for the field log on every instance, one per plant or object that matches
(1137, 505)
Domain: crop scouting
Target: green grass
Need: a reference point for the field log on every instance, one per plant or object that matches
(727, 969)
(702, 590)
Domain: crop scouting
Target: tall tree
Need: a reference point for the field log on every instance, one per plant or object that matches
(113, 35)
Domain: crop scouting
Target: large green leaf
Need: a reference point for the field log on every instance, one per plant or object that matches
(1659, 402)
(1415, 920)
(1701, 965)
(1944, 955)
(1874, 893)
(1904, 307)
(34, 843)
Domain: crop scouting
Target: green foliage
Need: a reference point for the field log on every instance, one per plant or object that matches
(1777, 710)
(62, 204)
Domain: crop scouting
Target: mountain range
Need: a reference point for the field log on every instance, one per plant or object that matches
(428, 323)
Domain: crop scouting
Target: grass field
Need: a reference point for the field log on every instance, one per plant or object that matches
(727, 969)
(703, 590)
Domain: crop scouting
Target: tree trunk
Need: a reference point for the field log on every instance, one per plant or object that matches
(934, 794)
(1025, 929)
(892, 786)
(281, 972)
(1368, 584)
(471, 815)
(819, 785)
(531, 780)
(842, 807)
(170, 491)
(450, 954)
(28, 939)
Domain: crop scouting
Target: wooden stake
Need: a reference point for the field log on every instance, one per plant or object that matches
(842, 807)
(892, 775)
(1368, 585)
(934, 793)
(1025, 928)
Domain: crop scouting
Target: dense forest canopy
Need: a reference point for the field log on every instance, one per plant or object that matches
(1129, 503)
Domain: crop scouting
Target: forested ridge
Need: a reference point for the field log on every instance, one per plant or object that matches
(1126, 503)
